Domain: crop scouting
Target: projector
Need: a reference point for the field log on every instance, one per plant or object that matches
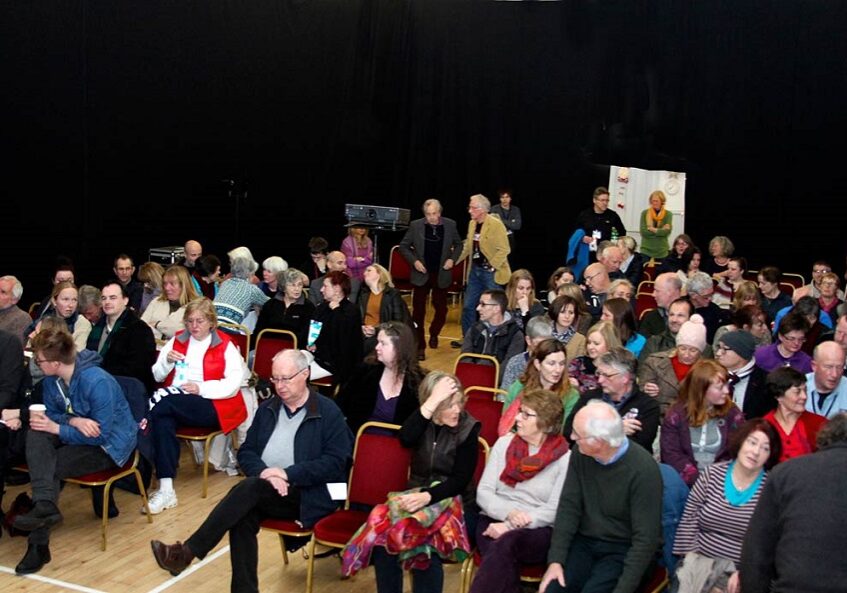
(360, 214)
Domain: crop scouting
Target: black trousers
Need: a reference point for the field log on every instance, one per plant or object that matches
(239, 513)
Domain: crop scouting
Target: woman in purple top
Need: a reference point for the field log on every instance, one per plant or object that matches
(787, 350)
(385, 387)
(359, 249)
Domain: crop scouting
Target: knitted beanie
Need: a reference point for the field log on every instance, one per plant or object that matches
(741, 342)
(692, 333)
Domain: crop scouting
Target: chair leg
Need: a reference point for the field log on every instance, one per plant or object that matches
(206, 447)
(310, 565)
(143, 492)
(284, 552)
(105, 520)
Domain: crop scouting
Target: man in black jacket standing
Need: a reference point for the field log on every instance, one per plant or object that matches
(431, 246)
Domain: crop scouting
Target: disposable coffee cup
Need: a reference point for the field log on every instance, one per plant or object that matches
(39, 409)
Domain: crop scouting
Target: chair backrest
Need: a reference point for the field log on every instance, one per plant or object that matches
(488, 412)
(380, 465)
(645, 287)
(477, 370)
(486, 393)
(648, 273)
(643, 302)
(643, 314)
(481, 460)
(268, 343)
(401, 272)
(795, 280)
(787, 288)
(33, 309)
(751, 275)
(459, 280)
(240, 336)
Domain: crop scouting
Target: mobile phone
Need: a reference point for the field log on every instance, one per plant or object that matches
(631, 414)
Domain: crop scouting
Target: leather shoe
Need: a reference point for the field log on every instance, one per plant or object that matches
(97, 502)
(174, 558)
(37, 555)
(433, 342)
(43, 514)
(456, 344)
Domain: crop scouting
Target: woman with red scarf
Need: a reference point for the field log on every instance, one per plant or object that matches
(519, 492)
(200, 361)
(656, 225)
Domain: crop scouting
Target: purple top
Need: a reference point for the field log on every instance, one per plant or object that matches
(355, 267)
(768, 358)
(385, 409)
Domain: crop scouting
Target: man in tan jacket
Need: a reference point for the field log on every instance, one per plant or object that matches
(487, 244)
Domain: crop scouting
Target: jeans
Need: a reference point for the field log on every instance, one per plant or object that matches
(171, 412)
(50, 460)
(478, 282)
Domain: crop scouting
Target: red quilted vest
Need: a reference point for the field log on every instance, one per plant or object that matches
(231, 411)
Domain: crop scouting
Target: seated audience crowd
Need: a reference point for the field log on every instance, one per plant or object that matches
(631, 378)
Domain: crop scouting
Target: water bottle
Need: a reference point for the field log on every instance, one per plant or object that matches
(180, 370)
(614, 234)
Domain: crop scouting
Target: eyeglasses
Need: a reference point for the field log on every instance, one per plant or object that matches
(820, 271)
(794, 339)
(277, 380)
(722, 348)
(600, 374)
(592, 277)
(481, 304)
(199, 321)
(40, 361)
(526, 414)
(472, 207)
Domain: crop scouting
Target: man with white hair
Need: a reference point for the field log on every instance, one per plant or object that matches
(826, 386)
(487, 244)
(608, 524)
(701, 289)
(13, 319)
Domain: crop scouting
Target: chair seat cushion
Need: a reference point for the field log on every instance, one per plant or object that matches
(104, 475)
(286, 525)
(196, 431)
(340, 526)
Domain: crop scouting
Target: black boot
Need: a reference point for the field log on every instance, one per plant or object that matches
(43, 514)
(37, 555)
(97, 502)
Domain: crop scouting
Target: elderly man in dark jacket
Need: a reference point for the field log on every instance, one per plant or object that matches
(297, 444)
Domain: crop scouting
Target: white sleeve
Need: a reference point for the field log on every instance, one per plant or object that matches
(162, 367)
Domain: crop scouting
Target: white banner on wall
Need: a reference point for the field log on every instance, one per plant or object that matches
(629, 192)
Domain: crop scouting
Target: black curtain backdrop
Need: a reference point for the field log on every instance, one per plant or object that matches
(121, 119)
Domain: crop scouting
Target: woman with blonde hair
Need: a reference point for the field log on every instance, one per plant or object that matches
(520, 295)
(165, 314)
(150, 275)
(379, 302)
(696, 429)
(602, 337)
(656, 225)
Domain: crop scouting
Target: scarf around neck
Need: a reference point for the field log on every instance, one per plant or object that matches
(520, 465)
(657, 217)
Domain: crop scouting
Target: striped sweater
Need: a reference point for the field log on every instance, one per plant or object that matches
(710, 525)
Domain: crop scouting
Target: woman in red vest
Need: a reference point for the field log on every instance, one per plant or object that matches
(200, 361)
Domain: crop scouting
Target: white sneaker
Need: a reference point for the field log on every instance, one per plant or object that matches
(160, 500)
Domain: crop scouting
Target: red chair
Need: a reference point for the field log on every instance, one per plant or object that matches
(380, 466)
(477, 370)
(240, 336)
(107, 478)
(486, 393)
(751, 275)
(643, 314)
(657, 582)
(204, 435)
(795, 280)
(284, 527)
(648, 273)
(643, 302)
(488, 412)
(268, 343)
(787, 288)
(646, 287)
(401, 272)
(460, 279)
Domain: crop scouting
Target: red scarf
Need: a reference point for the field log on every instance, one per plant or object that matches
(520, 465)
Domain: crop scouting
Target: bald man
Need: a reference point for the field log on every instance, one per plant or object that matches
(336, 261)
(596, 285)
(666, 289)
(193, 252)
(608, 545)
(825, 385)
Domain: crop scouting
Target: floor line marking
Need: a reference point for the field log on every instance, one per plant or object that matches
(57, 582)
(190, 570)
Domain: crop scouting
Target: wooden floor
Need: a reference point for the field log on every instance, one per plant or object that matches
(128, 565)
